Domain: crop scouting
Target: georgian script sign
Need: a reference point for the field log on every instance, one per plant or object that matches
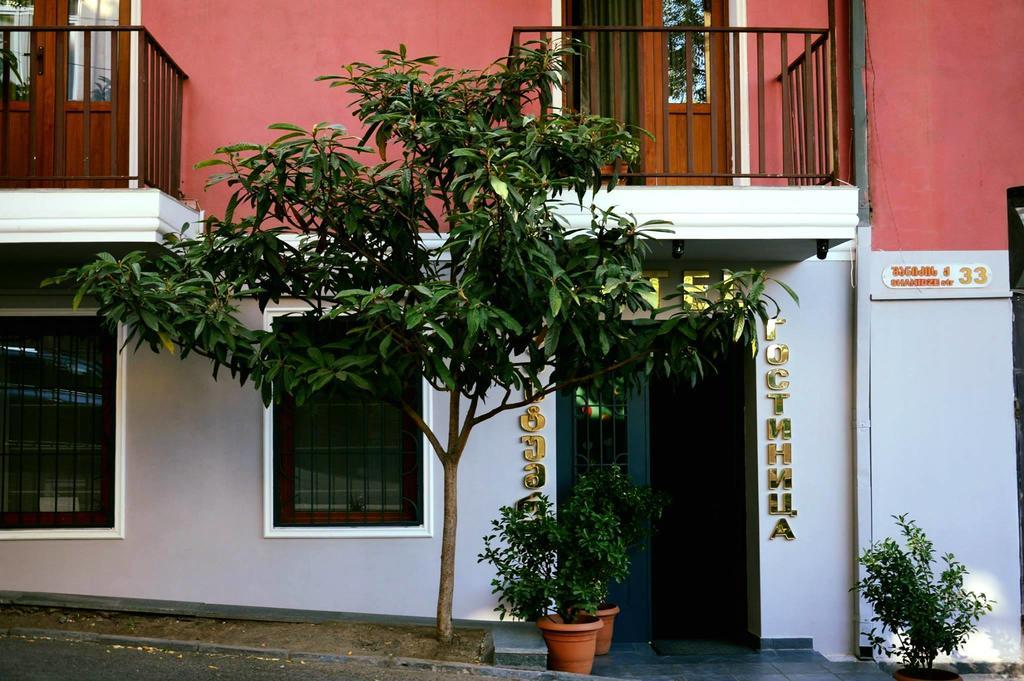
(961, 275)
(780, 432)
(532, 422)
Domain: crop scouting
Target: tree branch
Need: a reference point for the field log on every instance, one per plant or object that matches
(424, 428)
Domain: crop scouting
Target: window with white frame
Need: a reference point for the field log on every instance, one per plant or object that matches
(57, 423)
(344, 458)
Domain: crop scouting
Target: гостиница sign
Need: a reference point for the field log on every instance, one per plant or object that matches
(780, 432)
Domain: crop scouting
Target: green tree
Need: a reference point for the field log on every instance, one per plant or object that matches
(502, 304)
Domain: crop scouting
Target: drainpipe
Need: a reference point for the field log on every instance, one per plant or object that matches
(863, 530)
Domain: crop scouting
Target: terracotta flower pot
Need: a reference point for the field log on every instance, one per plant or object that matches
(907, 674)
(606, 613)
(570, 646)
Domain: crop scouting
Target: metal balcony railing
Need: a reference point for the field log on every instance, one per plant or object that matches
(89, 107)
(724, 104)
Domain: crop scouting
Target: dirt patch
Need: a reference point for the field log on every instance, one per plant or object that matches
(346, 638)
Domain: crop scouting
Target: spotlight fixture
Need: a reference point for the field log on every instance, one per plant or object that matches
(822, 248)
(678, 246)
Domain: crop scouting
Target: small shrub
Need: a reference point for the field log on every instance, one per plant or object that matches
(925, 615)
(550, 563)
(635, 508)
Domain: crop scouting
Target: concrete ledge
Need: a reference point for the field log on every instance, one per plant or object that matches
(519, 645)
(783, 643)
(214, 610)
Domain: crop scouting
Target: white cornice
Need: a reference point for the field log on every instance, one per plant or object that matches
(92, 216)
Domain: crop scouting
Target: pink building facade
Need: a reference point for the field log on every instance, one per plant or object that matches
(859, 150)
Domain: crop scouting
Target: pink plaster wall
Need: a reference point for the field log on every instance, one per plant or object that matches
(946, 106)
(251, 64)
(794, 14)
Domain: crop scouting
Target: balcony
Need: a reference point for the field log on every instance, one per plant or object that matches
(90, 137)
(723, 103)
(728, 107)
(89, 106)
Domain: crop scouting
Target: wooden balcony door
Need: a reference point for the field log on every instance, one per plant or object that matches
(688, 108)
(641, 78)
(64, 110)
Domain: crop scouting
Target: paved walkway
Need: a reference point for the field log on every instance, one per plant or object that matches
(639, 661)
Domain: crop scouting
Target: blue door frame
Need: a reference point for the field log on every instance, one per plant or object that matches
(634, 595)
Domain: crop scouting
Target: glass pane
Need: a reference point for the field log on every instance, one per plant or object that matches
(687, 13)
(55, 434)
(346, 458)
(352, 455)
(91, 13)
(600, 427)
(19, 54)
(606, 73)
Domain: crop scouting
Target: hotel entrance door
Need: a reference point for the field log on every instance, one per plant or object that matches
(691, 581)
(698, 557)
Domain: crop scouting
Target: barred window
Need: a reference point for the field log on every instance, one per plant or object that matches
(57, 378)
(344, 458)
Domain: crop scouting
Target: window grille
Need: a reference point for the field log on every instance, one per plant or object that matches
(57, 378)
(599, 427)
(344, 458)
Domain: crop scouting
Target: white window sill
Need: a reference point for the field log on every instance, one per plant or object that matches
(346, 532)
(64, 533)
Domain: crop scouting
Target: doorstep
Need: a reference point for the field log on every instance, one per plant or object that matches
(519, 645)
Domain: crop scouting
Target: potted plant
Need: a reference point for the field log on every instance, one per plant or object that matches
(636, 508)
(922, 614)
(548, 571)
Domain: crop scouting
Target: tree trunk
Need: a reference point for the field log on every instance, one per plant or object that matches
(446, 587)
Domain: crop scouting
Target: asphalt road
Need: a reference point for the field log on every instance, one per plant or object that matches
(47, 660)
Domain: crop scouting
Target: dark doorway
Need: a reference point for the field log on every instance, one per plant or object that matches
(698, 558)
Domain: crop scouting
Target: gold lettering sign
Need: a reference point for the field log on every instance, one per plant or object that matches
(773, 376)
(529, 503)
(771, 327)
(532, 420)
(779, 427)
(782, 529)
(780, 477)
(535, 477)
(783, 508)
(777, 353)
(691, 285)
(536, 449)
(777, 402)
(774, 453)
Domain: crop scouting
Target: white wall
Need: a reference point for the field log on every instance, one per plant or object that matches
(804, 583)
(943, 446)
(193, 528)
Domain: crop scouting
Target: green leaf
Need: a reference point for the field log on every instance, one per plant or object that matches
(286, 126)
(79, 294)
(737, 328)
(166, 340)
(554, 300)
(499, 187)
(790, 291)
